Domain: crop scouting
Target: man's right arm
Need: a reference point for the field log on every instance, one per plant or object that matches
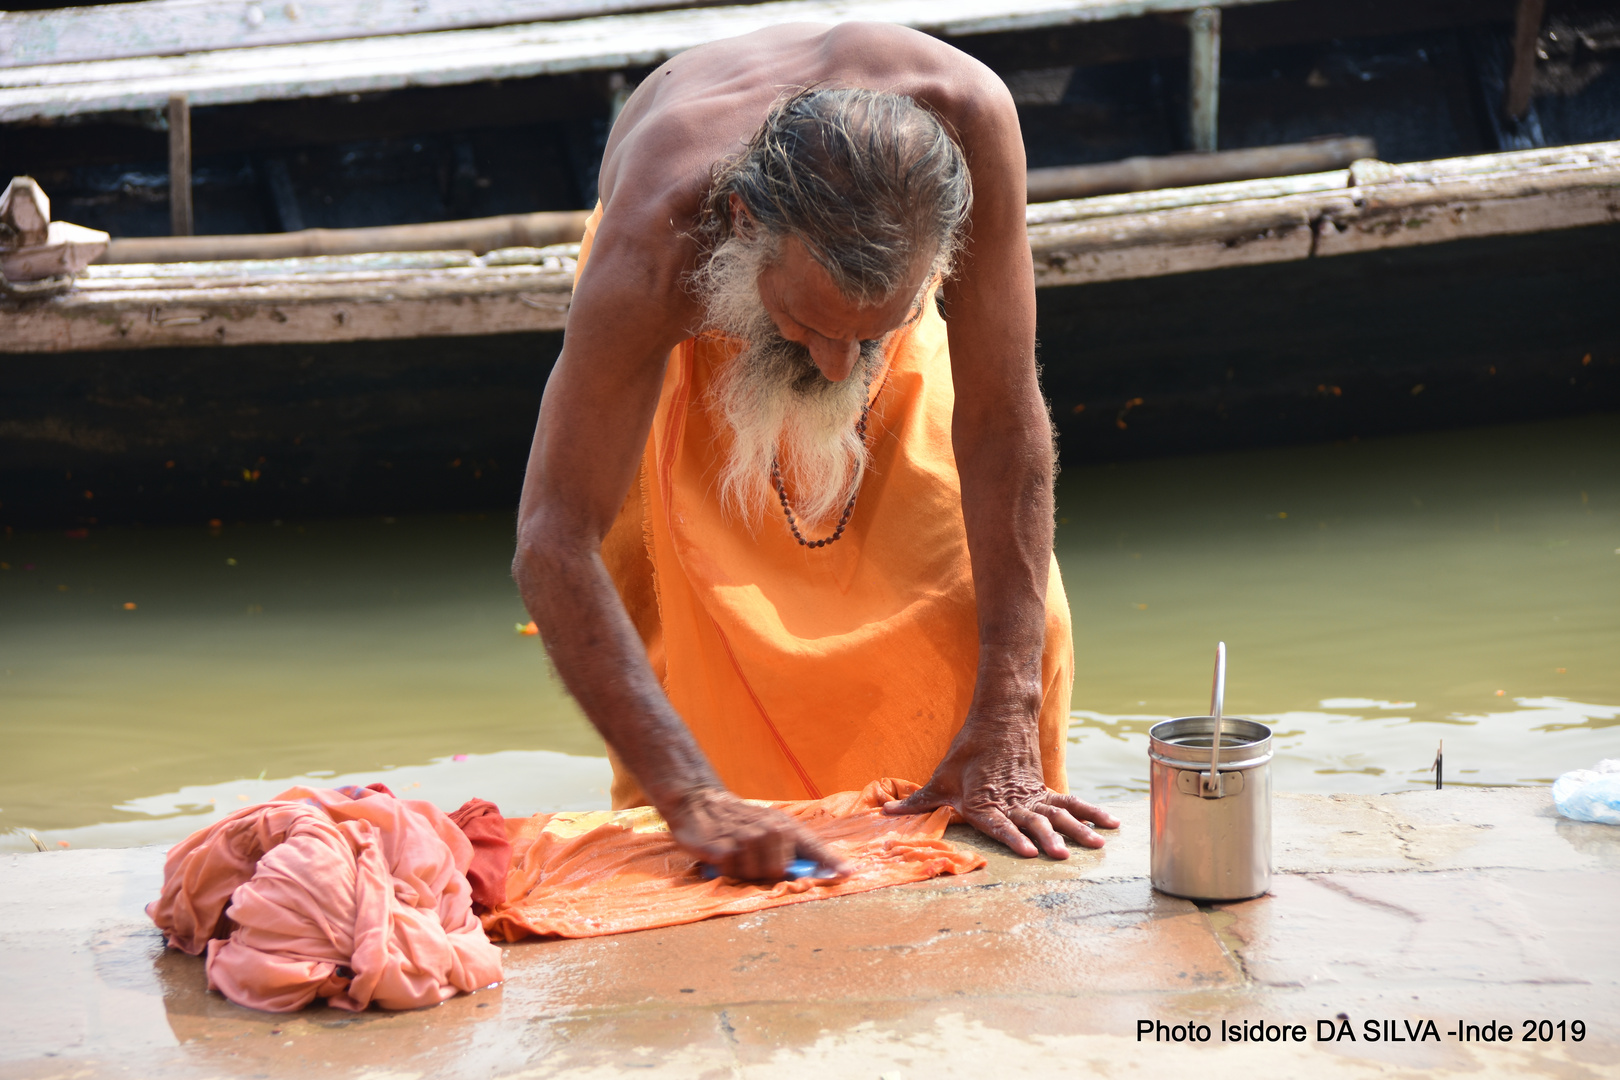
(594, 417)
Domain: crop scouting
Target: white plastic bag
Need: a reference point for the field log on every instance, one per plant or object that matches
(1588, 795)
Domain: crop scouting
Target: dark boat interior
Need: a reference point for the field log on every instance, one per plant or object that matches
(1466, 333)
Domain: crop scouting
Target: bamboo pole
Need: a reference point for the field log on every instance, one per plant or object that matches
(481, 235)
(1186, 170)
(478, 235)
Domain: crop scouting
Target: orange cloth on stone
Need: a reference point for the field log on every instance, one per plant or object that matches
(348, 895)
(605, 872)
(802, 672)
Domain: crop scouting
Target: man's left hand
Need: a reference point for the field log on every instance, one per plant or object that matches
(992, 778)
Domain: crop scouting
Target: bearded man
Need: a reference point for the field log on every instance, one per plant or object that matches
(785, 529)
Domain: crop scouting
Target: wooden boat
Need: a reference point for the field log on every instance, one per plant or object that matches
(1371, 206)
(1183, 318)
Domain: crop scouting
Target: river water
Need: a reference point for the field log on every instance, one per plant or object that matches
(1375, 597)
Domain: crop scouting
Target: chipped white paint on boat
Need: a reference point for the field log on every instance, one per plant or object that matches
(453, 57)
(1411, 204)
(173, 27)
(1587, 155)
(170, 27)
(354, 297)
(1141, 202)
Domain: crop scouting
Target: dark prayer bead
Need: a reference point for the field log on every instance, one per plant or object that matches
(849, 507)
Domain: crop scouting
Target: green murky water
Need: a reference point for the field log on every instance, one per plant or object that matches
(1375, 598)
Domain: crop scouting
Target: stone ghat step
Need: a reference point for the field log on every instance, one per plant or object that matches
(1456, 906)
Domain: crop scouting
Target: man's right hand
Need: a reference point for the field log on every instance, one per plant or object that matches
(747, 841)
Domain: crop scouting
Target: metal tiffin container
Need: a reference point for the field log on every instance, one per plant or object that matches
(1210, 801)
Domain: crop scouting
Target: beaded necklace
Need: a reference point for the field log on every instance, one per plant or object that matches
(849, 507)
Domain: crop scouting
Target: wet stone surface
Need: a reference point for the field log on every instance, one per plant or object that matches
(1458, 906)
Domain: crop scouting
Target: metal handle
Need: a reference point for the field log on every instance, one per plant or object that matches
(1217, 701)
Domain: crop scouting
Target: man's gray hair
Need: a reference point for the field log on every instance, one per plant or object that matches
(868, 181)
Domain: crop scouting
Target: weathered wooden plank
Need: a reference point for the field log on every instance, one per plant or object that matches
(332, 300)
(1180, 239)
(1319, 224)
(341, 298)
(451, 57)
(1520, 184)
(169, 27)
(1142, 202)
(1185, 224)
(130, 326)
(1527, 24)
(1204, 76)
(1480, 214)
(172, 27)
(1361, 174)
(1583, 154)
(180, 215)
(1284, 243)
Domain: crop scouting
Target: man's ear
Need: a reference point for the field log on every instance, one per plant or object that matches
(742, 222)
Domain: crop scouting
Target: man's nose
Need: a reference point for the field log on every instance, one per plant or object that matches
(835, 359)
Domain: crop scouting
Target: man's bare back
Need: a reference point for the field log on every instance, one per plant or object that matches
(634, 303)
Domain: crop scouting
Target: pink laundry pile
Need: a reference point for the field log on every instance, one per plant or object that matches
(346, 894)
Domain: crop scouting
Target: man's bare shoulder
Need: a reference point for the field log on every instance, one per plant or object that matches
(704, 104)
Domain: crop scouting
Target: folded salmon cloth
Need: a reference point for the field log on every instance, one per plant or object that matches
(345, 894)
(608, 871)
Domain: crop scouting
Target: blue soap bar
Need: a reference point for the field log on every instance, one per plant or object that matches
(798, 868)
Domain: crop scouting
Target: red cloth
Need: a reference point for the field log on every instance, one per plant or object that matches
(340, 894)
(484, 827)
(605, 872)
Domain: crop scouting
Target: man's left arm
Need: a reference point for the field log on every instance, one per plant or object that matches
(1003, 444)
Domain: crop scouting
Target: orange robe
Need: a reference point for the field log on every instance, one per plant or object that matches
(600, 872)
(806, 672)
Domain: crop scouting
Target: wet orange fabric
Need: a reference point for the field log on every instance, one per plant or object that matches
(348, 895)
(606, 872)
(803, 672)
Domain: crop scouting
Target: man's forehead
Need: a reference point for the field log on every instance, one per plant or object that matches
(807, 294)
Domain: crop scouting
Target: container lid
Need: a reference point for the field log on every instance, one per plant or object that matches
(1185, 742)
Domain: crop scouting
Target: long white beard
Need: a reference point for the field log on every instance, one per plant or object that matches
(777, 403)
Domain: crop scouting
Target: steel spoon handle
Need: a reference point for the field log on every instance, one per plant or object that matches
(1217, 701)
